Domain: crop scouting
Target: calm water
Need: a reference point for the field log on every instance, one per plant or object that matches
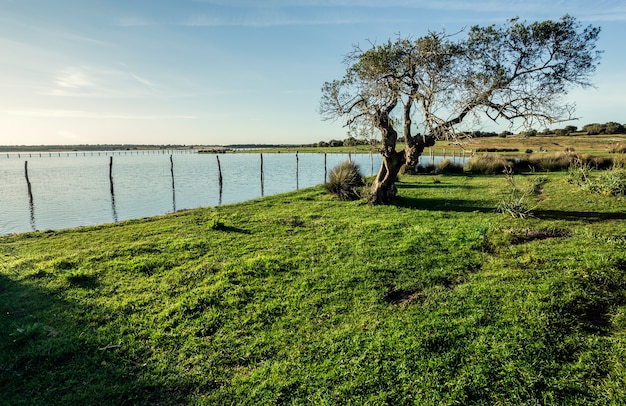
(74, 190)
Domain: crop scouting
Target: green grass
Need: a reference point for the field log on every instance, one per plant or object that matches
(305, 299)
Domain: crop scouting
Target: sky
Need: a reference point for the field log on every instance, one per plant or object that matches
(216, 72)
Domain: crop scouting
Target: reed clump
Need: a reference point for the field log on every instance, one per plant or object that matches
(345, 181)
(489, 164)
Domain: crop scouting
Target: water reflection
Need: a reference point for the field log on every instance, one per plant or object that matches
(82, 190)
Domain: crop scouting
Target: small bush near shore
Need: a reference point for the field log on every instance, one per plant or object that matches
(609, 183)
(618, 149)
(619, 162)
(548, 162)
(444, 166)
(345, 181)
(488, 164)
(447, 166)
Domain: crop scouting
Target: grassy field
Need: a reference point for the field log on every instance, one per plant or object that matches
(304, 299)
(597, 145)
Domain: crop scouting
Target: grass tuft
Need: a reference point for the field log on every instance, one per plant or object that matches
(488, 164)
(345, 181)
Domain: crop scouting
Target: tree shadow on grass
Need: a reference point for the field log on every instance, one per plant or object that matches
(589, 216)
(455, 205)
(49, 354)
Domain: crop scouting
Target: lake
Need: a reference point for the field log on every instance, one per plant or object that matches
(75, 189)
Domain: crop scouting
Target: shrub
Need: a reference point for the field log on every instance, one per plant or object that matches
(550, 162)
(487, 164)
(345, 181)
(619, 161)
(612, 183)
(609, 183)
(427, 168)
(514, 201)
(614, 128)
(350, 142)
(447, 166)
(618, 149)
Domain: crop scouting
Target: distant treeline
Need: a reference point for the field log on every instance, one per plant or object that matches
(589, 129)
(87, 147)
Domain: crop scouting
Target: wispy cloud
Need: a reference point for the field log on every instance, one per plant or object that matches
(89, 81)
(269, 13)
(275, 19)
(59, 113)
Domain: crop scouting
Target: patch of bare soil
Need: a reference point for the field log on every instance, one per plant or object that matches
(528, 234)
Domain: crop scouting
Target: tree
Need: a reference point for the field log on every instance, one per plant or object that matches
(516, 72)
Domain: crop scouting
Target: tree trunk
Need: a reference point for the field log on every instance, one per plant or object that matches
(414, 147)
(384, 187)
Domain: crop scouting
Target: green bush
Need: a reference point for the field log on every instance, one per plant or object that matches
(612, 183)
(609, 182)
(550, 162)
(514, 201)
(487, 164)
(619, 161)
(447, 166)
(618, 149)
(345, 181)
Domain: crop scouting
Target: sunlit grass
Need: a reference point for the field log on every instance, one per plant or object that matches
(305, 299)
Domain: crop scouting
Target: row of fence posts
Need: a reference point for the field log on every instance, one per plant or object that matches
(220, 182)
(154, 152)
(97, 153)
(460, 155)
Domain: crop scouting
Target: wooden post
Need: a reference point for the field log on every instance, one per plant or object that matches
(30, 197)
(325, 168)
(297, 171)
(173, 188)
(113, 207)
(262, 190)
(220, 179)
(371, 164)
(111, 173)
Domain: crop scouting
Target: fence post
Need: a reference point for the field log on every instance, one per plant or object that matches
(297, 171)
(262, 189)
(113, 208)
(173, 188)
(325, 168)
(220, 179)
(30, 196)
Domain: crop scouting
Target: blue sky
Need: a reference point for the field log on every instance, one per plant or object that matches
(200, 72)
